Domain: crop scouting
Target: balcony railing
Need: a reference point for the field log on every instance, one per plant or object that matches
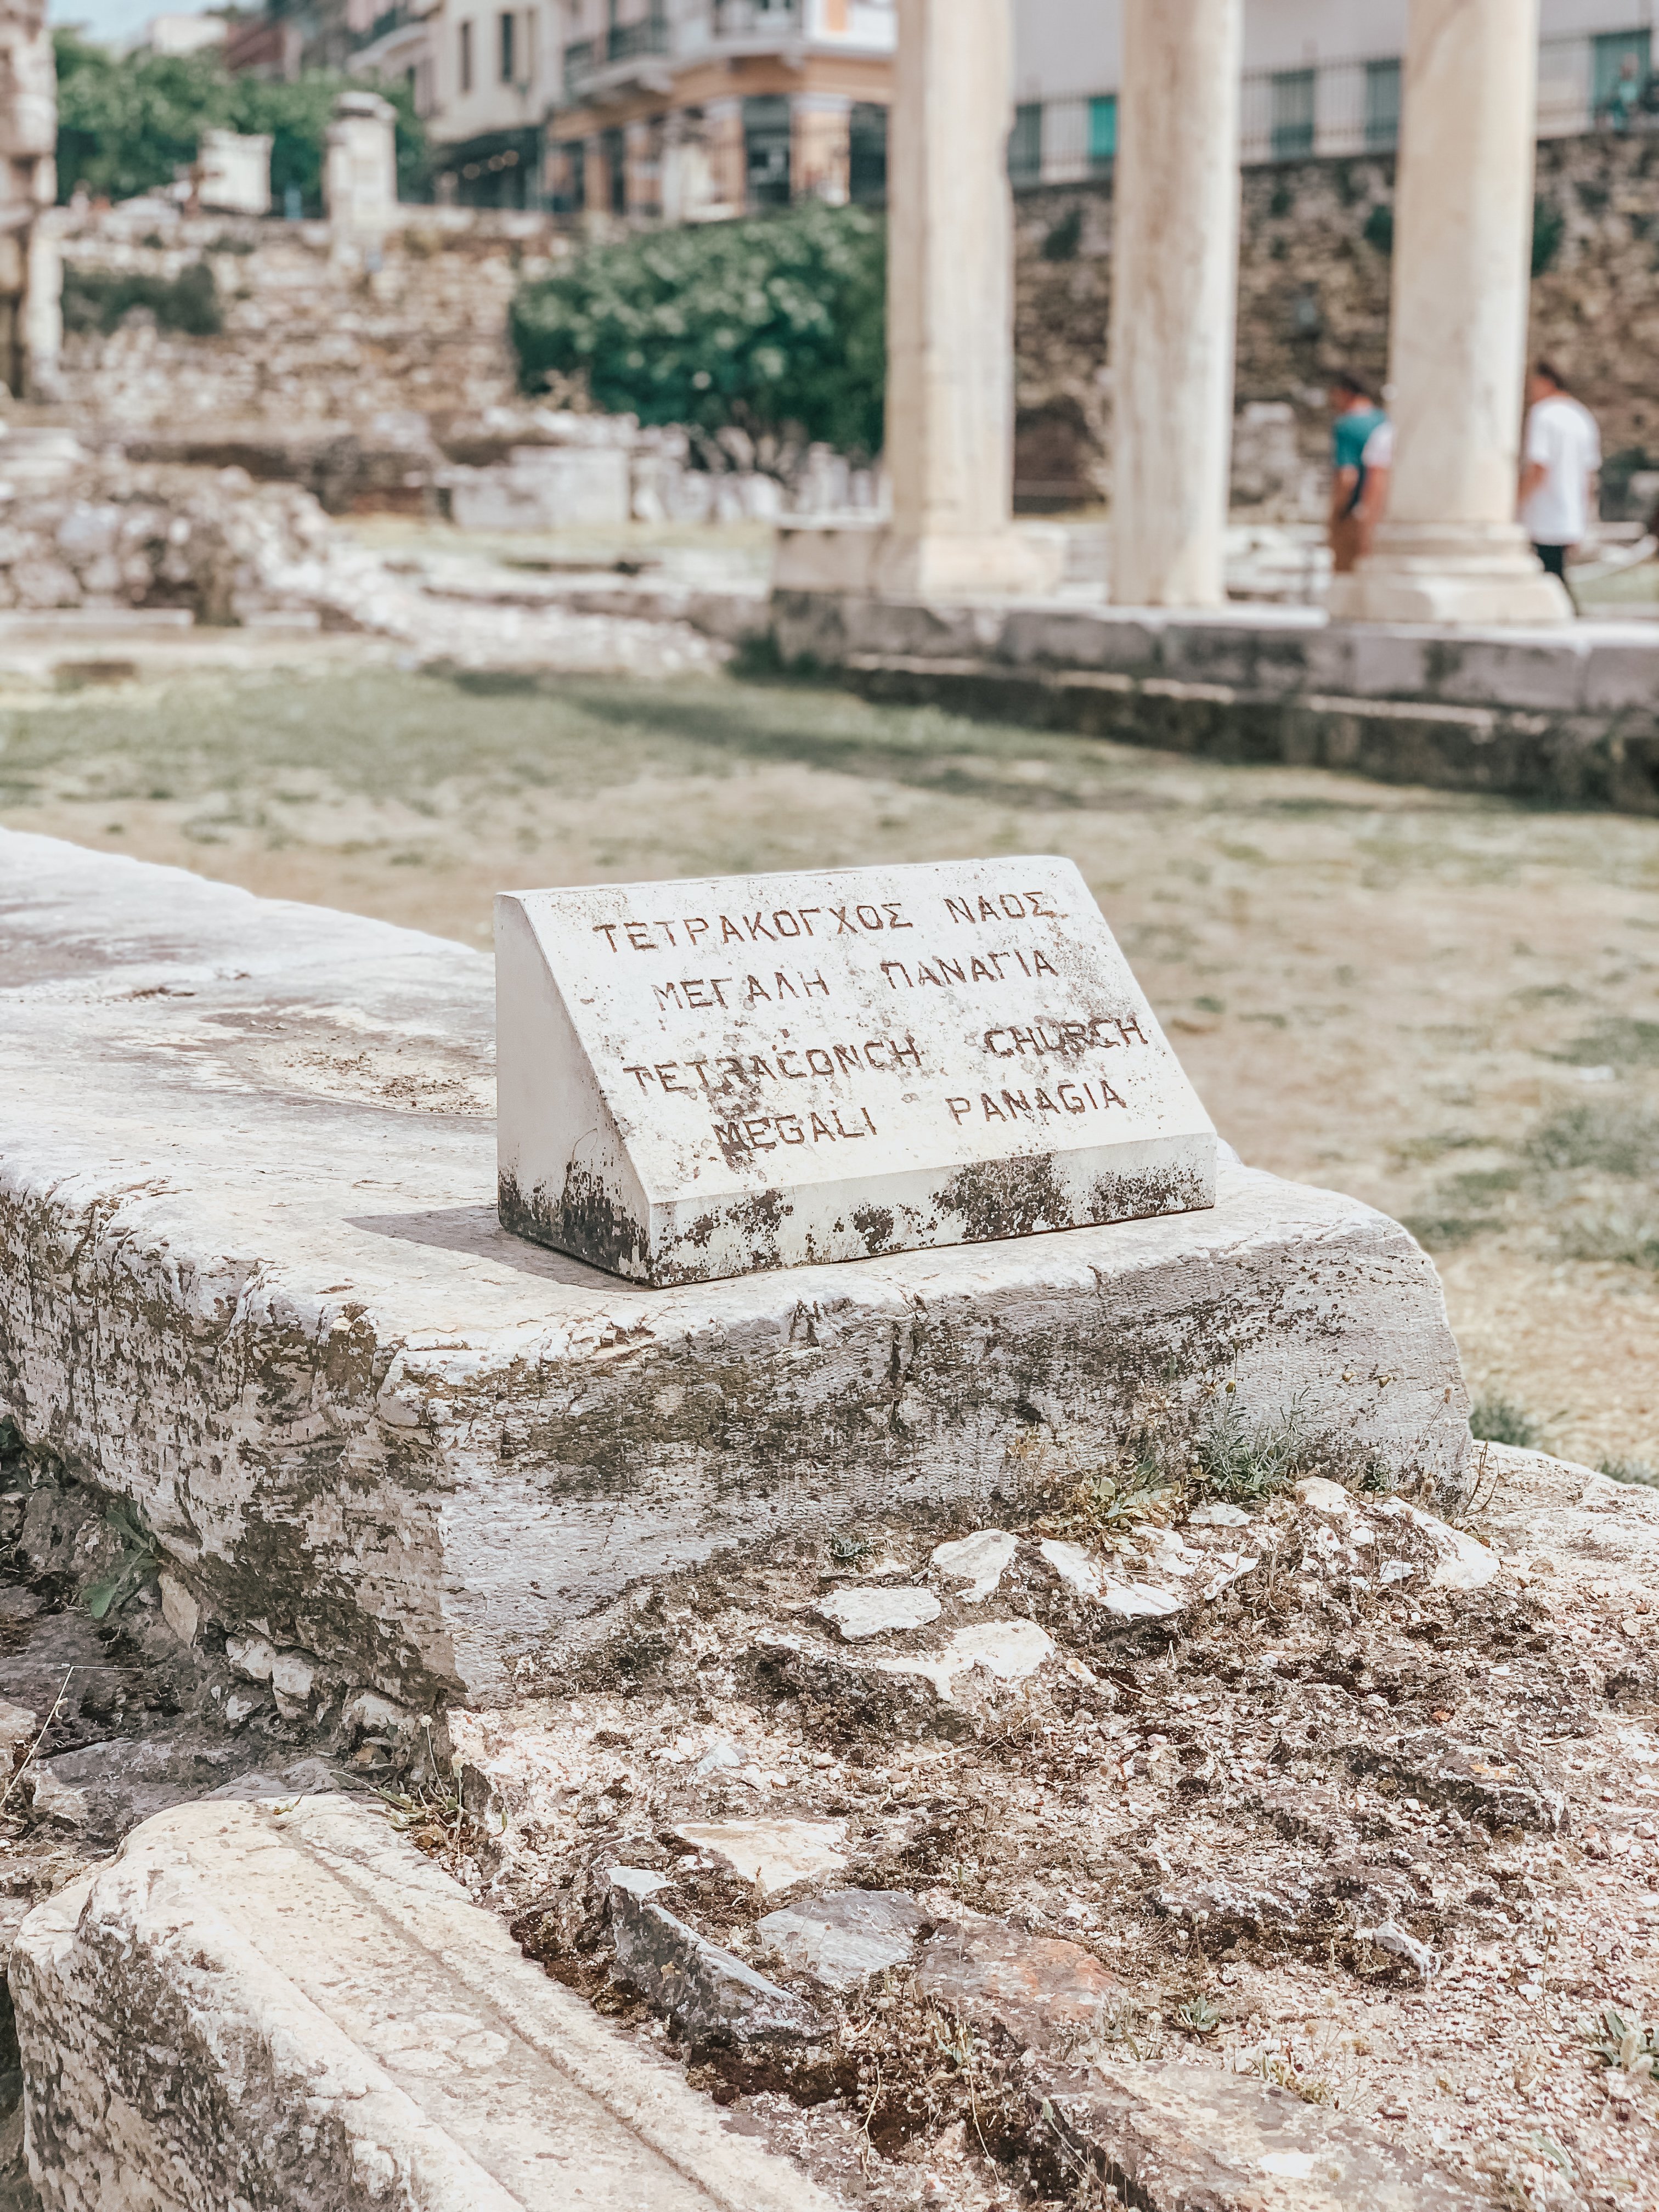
(756, 19)
(389, 20)
(1350, 108)
(585, 60)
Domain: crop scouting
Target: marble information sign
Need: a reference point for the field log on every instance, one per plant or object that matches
(700, 1079)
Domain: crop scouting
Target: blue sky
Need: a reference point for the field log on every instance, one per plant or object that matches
(116, 20)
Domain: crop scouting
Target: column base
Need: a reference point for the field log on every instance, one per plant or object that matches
(872, 558)
(1453, 572)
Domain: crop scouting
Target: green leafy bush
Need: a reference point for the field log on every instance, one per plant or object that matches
(774, 323)
(126, 126)
(96, 299)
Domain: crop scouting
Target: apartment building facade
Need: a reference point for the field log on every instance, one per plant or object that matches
(693, 110)
(676, 111)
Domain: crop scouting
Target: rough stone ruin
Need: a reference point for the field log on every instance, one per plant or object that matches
(1064, 1720)
(730, 1561)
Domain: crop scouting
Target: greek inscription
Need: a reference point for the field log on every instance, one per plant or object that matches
(658, 935)
(1006, 906)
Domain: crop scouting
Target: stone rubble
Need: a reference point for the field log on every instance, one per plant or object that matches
(1297, 1788)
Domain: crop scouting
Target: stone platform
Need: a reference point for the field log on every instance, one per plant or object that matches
(253, 1281)
(1568, 713)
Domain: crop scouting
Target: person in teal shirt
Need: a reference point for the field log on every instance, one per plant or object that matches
(1354, 486)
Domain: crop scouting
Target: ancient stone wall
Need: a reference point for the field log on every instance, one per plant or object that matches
(318, 338)
(314, 334)
(1314, 271)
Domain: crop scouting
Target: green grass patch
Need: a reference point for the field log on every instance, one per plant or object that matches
(1501, 1421)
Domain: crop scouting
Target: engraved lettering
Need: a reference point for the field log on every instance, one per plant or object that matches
(794, 1074)
(1041, 964)
(640, 1075)
(608, 931)
(787, 1123)
(730, 934)
(844, 928)
(811, 984)
(666, 1076)
(961, 1108)
(757, 929)
(887, 970)
(638, 936)
(869, 917)
(755, 1130)
(668, 994)
(959, 910)
(667, 929)
(806, 914)
(891, 907)
(909, 1050)
(1001, 1051)
(820, 1062)
(696, 927)
(779, 918)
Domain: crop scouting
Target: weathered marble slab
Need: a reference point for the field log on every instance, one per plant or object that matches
(709, 1079)
(252, 1280)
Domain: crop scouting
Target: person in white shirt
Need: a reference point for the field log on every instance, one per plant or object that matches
(1561, 453)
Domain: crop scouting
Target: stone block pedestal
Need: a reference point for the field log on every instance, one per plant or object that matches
(252, 1280)
(1460, 574)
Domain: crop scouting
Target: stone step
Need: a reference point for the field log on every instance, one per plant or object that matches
(277, 2005)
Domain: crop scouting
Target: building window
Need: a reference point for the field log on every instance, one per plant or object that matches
(1025, 144)
(1381, 106)
(766, 132)
(507, 25)
(1293, 114)
(613, 151)
(1102, 130)
(467, 57)
(866, 151)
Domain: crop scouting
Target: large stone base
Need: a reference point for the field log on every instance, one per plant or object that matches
(278, 2005)
(252, 1279)
(1448, 573)
(858, 556)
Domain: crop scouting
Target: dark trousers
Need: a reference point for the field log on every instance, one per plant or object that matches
(1554, 558)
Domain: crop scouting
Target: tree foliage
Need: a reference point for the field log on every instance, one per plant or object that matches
(774, 323)
(128, 126)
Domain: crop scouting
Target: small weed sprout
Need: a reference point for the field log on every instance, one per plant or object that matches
(1625, 2044)
(131, 1570)
(1245, 1464)
(1198, 2016)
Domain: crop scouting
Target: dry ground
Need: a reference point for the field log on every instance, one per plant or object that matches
(1448, 1005)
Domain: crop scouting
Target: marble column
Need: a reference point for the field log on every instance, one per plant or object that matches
(950, 307)
(1450, 549)
(1175, 278)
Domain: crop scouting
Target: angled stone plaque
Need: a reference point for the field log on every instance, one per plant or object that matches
(700, 1079)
